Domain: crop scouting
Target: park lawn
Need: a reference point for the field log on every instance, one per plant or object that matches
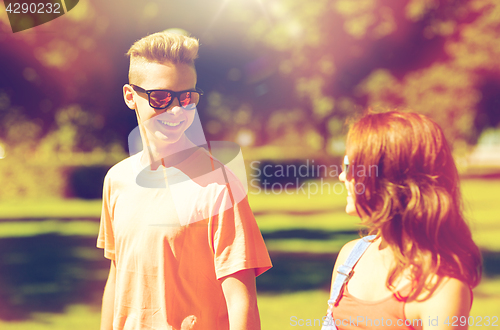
(283, 311)
(313, 214)
(322, 212)
(275, 213)
(75, 317)
(49, 226)
(50, 208)
(326, 212)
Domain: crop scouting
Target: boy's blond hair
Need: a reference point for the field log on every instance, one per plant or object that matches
(160, 47)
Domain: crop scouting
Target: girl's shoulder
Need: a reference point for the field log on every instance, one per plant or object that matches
(451, 298)
(347, 248)
(449, 289)
(345, 251)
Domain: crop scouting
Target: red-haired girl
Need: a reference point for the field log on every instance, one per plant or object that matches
(419, 264)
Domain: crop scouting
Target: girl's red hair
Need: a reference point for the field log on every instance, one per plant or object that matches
(409, 195)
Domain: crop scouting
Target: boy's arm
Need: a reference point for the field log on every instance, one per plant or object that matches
(241, 299)
(108, 299)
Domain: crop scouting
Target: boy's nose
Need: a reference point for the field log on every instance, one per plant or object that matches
(174, 107)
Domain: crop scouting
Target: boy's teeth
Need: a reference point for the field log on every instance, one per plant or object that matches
(169, 123)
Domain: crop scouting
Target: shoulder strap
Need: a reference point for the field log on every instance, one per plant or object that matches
(345, 271)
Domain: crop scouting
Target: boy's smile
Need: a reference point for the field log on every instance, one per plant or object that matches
(167, 126)
(164, 127)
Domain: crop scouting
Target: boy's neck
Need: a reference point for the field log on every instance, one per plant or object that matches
(168, 155)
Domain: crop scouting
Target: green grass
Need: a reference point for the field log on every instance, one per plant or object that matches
(338, 221)
(284, 310)
(276, 311)
(486, 300)
(275, 213)
(39, 227)
(297, 202)
(68, 208)
(76, 317)
(312, 246)
(482, 209)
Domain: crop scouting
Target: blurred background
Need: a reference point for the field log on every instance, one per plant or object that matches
(281, 78)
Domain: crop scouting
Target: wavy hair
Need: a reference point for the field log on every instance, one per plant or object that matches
(411, 198)
(160, 47)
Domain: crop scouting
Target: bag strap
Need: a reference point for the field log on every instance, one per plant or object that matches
(345, 271)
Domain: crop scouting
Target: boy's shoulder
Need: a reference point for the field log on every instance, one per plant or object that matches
(225, 169)
(123, 168)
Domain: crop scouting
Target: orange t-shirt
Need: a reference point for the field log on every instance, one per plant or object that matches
(174, 233)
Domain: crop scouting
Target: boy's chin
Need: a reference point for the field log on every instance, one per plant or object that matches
(167, 138)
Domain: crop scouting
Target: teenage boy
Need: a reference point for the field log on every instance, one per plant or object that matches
(183, 243)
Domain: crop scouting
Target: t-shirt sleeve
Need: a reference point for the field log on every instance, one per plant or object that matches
(106, 238)
(237, 240)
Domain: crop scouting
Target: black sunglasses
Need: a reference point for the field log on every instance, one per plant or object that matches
(163, 98)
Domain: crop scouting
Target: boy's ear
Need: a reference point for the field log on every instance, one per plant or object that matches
(128, 96)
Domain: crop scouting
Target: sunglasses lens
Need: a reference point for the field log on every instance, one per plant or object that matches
(188, 98)
(160, 99)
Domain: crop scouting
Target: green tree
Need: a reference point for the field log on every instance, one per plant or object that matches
(429, 56)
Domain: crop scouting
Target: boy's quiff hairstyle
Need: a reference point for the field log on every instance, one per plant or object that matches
(160, 47)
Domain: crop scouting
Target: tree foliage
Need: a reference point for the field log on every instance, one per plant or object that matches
(430, 56)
